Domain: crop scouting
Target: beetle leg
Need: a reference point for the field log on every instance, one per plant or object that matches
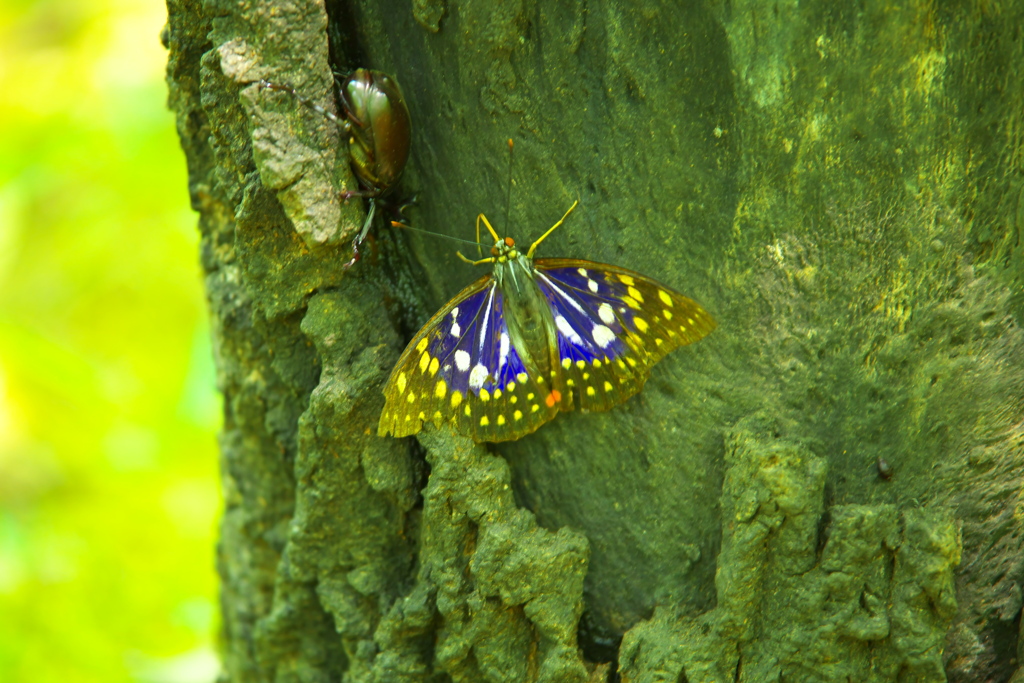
(349, 194)
(362, 234)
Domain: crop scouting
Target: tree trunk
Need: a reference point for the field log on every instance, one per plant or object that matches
(827, 488)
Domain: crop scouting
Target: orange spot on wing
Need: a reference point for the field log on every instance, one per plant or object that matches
(553, 398)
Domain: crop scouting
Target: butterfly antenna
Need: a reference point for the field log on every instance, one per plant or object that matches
(508, 192)
(404, 226)
(533, 247)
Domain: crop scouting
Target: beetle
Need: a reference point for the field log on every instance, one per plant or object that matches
(379, 129)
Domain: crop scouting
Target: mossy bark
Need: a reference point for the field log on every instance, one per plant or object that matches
(840, 184)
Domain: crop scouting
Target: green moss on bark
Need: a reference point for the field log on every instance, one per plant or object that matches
(838, 185)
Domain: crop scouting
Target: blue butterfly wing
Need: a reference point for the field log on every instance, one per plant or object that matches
(461, 369)
(613, 326)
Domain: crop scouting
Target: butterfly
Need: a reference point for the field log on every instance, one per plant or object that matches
(533, 338)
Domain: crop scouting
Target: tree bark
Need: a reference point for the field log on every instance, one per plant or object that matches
(828, 488)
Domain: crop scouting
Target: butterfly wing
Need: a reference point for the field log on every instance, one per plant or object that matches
(461, 369)
(613, 326)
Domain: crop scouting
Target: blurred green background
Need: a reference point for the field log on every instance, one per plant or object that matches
(108, 411)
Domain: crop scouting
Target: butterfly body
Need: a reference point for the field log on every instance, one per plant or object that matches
(529, 321)
(536, 337)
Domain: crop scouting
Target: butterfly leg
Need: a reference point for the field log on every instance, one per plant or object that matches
(494, 234)
(472, 262)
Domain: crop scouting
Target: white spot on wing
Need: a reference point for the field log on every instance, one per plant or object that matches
(477, 376)
(487, 317)
(503, 351)
(456, 330)
(603, 336)
(606, 313)
(566, 329)
(582, 271)
(455, 314)
(592, 286)
(572, 302)
(462, 360)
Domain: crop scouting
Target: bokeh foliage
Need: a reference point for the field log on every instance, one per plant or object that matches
(108, 409)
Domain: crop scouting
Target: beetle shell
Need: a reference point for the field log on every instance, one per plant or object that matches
(380, 128)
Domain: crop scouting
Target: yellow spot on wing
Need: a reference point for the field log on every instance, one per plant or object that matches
(608, 386)
(635, 293)
(566, 363)
(534, 408)
(659, 342)
(433, 366)
(485, 395)
(501, 420)
(529, 396)
(666, 299)
(438, 416)
(513, 399)
(590, 391)
(456, 398)
(667, 313)
(640, 323)
(422, 345)
(440, 389)
(467, 410)
(518, 415)
(412, 396)
(581, 364)
(522, 377)
(424, 361)
(422, 415)
(631, 302)
(625, 279)
(511, 386)
(497, 393)
(484, 421)
(597, 362)
(401, 382)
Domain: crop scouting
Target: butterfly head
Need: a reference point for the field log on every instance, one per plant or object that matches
(504, 250)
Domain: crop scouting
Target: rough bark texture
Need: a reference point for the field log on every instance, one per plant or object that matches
(840, 184)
